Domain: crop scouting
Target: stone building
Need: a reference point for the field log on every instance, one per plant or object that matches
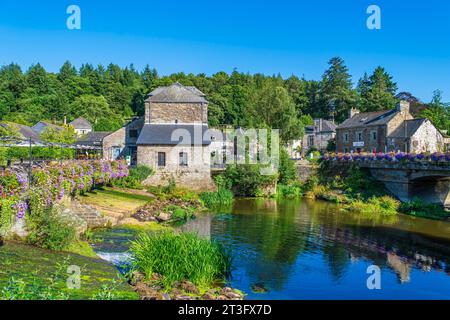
(81, 126)
(385, 131)
(174, 139)
(317, 136)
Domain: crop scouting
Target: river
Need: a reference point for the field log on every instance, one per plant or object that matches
(302, 249)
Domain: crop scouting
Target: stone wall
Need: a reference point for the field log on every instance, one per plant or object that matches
(370, 144)
(196, 175)
(171, 112)
(426, 139)
(122, 139)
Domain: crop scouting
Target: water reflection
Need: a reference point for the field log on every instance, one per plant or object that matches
(286, 245)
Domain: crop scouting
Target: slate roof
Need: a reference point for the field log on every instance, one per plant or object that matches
(25, 131)
(368, 118)
(42, 125)
(328, 126)
(411, 128)
(176, 93)
(94, 138)
(161, 134)
(81, 123)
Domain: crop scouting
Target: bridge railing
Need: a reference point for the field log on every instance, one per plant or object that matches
(437, 159)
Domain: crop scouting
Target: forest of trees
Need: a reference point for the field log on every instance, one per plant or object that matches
(107, 96)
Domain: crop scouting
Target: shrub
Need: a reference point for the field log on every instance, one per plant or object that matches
(49, 230)
(247, 180)
(418, 208)
(221, 197)
(135, 177)
(180, 257)
(287, 170)
(179, 213)
(290, 191)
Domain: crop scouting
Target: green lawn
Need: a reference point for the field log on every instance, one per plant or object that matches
(116, 202)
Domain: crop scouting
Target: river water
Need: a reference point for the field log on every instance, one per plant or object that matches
(301, 249)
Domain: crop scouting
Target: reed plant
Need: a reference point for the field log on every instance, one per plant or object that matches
(177, 257)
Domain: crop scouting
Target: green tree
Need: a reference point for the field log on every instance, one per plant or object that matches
(274, 108)
(66, 135)
(91, 107)
(377, 92)
(438, 112)
(337, 96)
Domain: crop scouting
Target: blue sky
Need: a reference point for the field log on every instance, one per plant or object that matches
(283, 36)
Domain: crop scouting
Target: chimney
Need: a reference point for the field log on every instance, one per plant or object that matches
(403, 107)
(353, 111)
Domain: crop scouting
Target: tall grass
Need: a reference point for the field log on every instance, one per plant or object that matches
(180, 257)
(385, 205)
(221, 197)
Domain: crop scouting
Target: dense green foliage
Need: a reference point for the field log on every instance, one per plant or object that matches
(217, 198)
(418, 208)
(37, 153)
(246, 180)
(179, 257)
(49, 230)
(135, 177)
(354, 188)
(377, 92)
(438, 112)
(106, 96)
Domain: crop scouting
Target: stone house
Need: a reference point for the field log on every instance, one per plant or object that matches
(389, 130)
(317, 136)
(116, 144)
(81, 126)
(174, 139)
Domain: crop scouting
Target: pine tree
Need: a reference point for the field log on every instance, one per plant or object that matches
(337, 96)
(378, 91)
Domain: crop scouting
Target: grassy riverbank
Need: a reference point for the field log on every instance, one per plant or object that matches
(357, 191)
(28, 272)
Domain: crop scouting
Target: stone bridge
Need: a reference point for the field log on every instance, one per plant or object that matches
(426, 180)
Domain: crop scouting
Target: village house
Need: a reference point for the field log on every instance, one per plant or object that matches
(317, 136)
(385, 131)
(81, 126)
(174, 140)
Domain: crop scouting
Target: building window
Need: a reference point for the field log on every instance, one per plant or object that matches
(346, 137)
(161, 159)
(133, 133)
(183, 159)
(310, 141)
(359, 136)
(373, 135)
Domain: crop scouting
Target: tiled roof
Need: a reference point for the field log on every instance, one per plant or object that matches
(176, 93)
(171, 134)
(81, 123)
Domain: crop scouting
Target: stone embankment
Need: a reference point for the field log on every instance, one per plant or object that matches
(183, 290)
